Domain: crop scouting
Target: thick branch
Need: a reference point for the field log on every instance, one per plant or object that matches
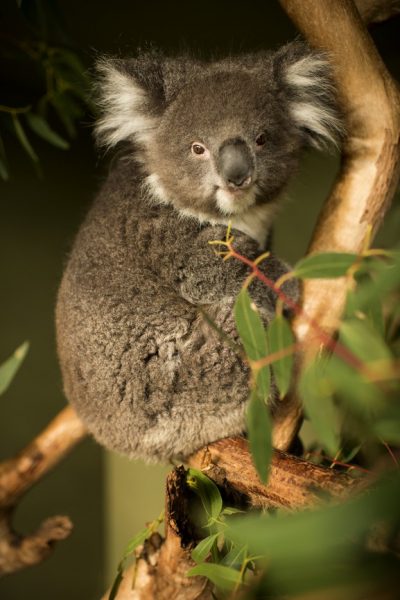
(293, 483)
(370, 167)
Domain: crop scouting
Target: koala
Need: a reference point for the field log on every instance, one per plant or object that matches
(202, 144)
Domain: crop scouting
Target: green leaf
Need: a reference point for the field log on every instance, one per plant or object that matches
(280, 337)
(259, 430)
(253, 336)
(326, 265)
(72, 60)
(9, 368)
(326, 534)
(388, 430)
(203, 548)
(68, 110)
(235, 556)
(136, 541)
(361, 396)
(207, 492)
(23, 139)
(386, 279)
(363, 340)
(316, 392)
(348, 457)
(373, 313)
(250, 327)
(41, 128)
(223, 577)
(230, 510)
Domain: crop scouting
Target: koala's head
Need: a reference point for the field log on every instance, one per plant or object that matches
(218, 138)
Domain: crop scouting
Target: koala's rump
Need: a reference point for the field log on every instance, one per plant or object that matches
(144, 371)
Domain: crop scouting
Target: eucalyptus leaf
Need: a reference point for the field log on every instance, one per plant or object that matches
(235, 557)
(9, 368)
(230, 510)
(259, 431)
(280, 337)
(253, 336)
(383, 282)
(222, 576)
(207, 492)
(363, 340)
(68, 111)
(327, 265)
(21, 135)
(316, 392)
(66, 57)
(372, 313)
(203, 548)
(361, 396)
(325, 534)
(42, 129)
(388, 430)
(250, 327)
(136, 541)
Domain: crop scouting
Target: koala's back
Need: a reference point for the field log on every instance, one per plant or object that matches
(146, 374)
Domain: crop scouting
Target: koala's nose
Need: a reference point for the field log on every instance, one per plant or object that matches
(236, 164)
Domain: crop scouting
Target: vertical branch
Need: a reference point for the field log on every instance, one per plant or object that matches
(369, 172)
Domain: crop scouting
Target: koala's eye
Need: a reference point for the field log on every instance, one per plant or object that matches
(261, 139)
(199, 149)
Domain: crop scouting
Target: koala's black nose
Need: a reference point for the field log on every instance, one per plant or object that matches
(235, 163)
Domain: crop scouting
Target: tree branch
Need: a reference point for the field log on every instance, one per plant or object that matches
(293, 483)
(18, 475)
(370, 164)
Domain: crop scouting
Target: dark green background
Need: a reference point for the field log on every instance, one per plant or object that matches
(108, 498)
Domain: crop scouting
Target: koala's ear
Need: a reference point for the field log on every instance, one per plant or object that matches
(305, 76)
(130, 96)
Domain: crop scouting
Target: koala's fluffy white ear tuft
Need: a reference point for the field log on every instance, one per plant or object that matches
(125, 104)
(312, 100)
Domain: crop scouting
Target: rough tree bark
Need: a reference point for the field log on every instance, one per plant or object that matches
(359, 199)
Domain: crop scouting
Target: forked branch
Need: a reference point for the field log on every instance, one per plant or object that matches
(18, 475)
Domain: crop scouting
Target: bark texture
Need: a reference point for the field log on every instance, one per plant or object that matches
(293, 483)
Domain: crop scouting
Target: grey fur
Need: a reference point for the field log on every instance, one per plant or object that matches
(140, 365)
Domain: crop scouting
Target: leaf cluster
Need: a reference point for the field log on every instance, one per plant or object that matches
(46, 91)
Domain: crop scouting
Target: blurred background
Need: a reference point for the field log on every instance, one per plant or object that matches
(41, 205)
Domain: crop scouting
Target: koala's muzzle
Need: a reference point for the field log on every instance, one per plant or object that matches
(235, 164)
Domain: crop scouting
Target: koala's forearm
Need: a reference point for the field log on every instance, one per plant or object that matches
(205, 278)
